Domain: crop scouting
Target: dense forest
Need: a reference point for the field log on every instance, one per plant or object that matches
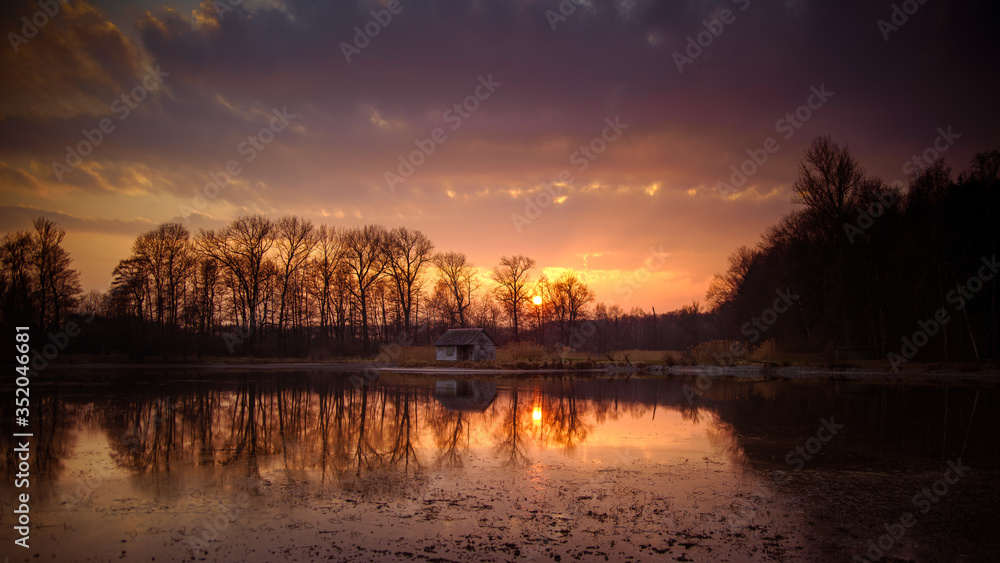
(901, 274)
(858, 264)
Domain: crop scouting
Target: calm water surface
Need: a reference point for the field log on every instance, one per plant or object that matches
(310, 465)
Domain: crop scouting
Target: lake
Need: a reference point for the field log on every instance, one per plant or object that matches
(318, 465)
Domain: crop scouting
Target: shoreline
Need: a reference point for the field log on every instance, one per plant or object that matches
(916, 373)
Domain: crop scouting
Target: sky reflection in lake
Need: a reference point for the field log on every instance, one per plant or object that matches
(305, 464)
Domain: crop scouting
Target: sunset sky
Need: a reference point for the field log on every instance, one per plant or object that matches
(649, 198)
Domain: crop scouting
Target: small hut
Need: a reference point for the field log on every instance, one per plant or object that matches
(472, 344)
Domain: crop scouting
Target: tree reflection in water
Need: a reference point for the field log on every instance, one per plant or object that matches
(563, 416)
(52, 421)
(404, 429)
(510, 434)
(317, 426)
(451, 436)
(333, 430)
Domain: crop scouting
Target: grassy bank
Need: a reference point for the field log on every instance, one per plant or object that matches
(527, 356)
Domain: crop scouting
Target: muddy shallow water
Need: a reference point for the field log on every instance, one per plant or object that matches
(312, 465)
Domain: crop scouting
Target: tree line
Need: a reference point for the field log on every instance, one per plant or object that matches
(37, 285)
(891, 273)
(284, 287)
(873, 268)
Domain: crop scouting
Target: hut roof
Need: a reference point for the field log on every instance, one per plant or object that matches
(461, 337)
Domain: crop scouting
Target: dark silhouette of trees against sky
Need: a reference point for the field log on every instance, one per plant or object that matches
(241, 249)
(204, 306)
(726, 287)
(456, 286)
(831, 183)
(487, 313)
(513, 287)
(410, 254)
(263, 287)
(689, 316)
(58, 284)
(872, 262)
(313, 289)
(18, 277)
(869, 261)
(152, 283)
(295, 240)
(366, 261)
(568, 300)
(328, 283)
(129, 299)
(833, 186)
(164, 255)
(38, 286)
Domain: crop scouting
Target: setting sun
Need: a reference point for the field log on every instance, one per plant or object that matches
(537, 300)
(536, 414)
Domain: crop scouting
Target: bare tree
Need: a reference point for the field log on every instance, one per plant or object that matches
(409, 252)
(831, 182)
(570, 297)
(242, 248)
(458, 280)
(130, 288)
(58, 285)
(986, 166)
(688, 319)
(550, 304)
(512, 292)
(485, 312)
(930, 186)
(295, 240)
(833, 185)
(366, 262)
(205, 286)
(725, 287)
(19, 282)
(327, 275)
(165, 255)
(93, 302)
